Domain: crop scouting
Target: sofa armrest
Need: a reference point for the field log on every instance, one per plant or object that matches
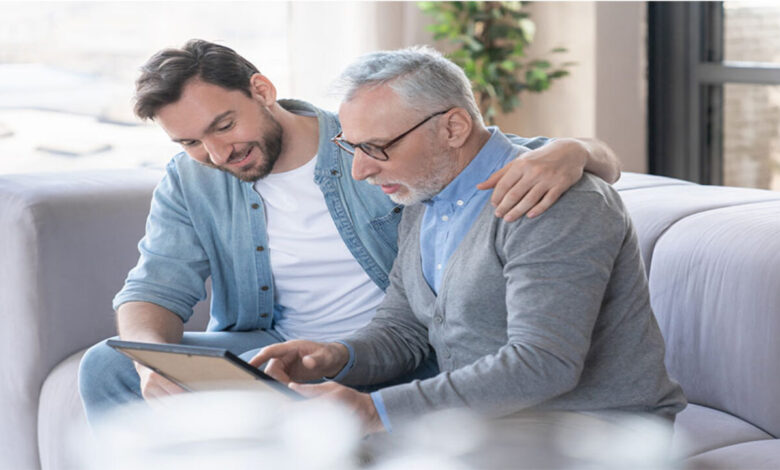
(67, 242)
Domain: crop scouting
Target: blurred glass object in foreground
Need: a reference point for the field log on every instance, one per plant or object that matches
(253, 430)
(225, 430)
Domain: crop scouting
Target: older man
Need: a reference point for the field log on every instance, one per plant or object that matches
(261, 202)
(551, 313)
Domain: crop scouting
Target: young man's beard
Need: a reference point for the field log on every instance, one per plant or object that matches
(270, 147)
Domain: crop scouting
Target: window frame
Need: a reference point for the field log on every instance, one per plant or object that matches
(686, 75)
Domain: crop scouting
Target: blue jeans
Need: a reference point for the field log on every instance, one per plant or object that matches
(107, 378)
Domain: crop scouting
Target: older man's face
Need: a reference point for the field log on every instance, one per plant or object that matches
(419, 165)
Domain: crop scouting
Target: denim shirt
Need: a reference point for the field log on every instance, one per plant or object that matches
(205, 223)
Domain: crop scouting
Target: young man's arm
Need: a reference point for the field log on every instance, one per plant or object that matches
(167, 282)
(533, 182)
(149, 323)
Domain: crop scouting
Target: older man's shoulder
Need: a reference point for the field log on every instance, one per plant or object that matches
(591, 184)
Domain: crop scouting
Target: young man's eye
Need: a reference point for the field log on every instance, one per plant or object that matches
(226, 126)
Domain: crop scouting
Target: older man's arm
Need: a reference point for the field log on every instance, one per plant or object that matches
(533, 182)
(556, 271)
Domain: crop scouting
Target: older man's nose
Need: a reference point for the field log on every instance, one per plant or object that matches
(363, 166)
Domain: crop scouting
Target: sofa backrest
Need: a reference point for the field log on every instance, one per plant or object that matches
(713, 258)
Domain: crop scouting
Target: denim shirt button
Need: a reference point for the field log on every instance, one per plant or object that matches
(334, 172)
(255, 206)
(263, 315)
(264, 288)
(260, 248)
(397, 210)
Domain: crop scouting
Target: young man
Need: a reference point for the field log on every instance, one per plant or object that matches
(550, 313)
(262, 203)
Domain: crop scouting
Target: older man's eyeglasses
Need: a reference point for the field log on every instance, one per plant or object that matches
(378, 152)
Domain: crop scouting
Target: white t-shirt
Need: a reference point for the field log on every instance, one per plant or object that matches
(323, 291)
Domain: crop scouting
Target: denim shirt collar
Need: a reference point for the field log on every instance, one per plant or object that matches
(327, 152)
(489, 159)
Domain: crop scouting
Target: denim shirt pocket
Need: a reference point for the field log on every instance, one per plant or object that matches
(386, 227)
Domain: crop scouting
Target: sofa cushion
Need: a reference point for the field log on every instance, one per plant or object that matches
(699, 429)
(757, 455)
(715, 290)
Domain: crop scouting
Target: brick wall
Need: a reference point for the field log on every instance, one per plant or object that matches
(751, 143)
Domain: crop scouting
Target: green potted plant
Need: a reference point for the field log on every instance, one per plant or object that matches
(491, 40)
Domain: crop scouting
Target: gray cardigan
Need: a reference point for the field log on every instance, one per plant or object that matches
(550, 313)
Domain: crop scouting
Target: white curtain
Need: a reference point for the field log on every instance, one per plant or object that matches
(324, 37)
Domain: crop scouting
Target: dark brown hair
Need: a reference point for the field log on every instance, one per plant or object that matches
(164, 75)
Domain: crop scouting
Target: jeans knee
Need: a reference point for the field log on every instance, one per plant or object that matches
(101, 369)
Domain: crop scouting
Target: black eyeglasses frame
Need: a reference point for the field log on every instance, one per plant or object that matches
(370, 149)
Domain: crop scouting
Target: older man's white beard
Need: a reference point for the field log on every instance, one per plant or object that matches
(417, 191)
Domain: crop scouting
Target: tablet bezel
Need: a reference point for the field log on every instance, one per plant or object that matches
(126, 348)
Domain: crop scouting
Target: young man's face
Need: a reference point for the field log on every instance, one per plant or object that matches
(418, 165)
(223, 129)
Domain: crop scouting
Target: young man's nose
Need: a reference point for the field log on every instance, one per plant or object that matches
(219, 152)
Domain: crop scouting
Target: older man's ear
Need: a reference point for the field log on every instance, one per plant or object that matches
(457, 127)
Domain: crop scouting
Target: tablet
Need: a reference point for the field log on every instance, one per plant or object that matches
(200, 368)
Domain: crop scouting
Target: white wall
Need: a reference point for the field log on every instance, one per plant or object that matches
(605, 95)
(324, 37)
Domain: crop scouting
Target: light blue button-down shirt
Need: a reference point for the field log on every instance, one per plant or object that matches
(450, 214)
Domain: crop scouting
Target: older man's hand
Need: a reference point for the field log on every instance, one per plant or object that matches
(302, 361)
(533, 182)
(360, 403)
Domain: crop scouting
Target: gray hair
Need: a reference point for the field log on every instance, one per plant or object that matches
(421, 75)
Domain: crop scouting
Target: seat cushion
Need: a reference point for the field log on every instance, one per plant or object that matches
(699, 429)
(756, 455)
(62, 424)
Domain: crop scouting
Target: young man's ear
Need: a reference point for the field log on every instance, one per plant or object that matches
(457, 125)
(262, 89)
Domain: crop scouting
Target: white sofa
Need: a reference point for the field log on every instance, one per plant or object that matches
(712, 254)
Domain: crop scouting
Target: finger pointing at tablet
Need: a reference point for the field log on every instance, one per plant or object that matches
(301, 360)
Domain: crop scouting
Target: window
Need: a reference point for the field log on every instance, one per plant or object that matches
(714, 92)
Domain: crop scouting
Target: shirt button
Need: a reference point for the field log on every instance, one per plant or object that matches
(334, 172)
(438, 266)
(260, 248)
(397, 210)
(438, 319)
(460, 203)
(264, 288)
(445, 218)
(263, 315)
(255, 206)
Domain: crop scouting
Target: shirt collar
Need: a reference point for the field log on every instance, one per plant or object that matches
(490, 158)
